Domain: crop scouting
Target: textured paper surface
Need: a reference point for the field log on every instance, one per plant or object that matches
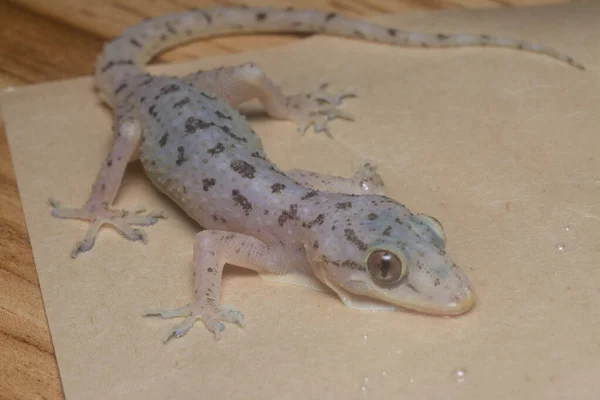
(502, 146)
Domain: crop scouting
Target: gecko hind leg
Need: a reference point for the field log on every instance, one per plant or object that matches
(96, 210)
(239, 84)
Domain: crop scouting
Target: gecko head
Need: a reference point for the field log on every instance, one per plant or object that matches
(399, 259)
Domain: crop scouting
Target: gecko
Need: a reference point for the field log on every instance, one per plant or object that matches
(299, 227)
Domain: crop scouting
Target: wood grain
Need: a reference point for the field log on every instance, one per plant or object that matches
(44, 40)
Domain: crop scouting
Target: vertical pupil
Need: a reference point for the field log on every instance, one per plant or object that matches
(385, 265)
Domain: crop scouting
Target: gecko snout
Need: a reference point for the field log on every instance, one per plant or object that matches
(462, 302)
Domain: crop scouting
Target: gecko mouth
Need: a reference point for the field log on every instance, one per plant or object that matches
(457, 304)
(462, 303)
(442, 305)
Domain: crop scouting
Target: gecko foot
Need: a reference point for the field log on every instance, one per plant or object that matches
(193, 311)
(369, 178)
(121, 220)
(317, 108)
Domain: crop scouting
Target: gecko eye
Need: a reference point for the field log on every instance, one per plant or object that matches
(385, 267)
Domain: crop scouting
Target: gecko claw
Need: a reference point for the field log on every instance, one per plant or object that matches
(192, 312)
(81, 247)
(136, 235)
(170, 336)
(52, 202)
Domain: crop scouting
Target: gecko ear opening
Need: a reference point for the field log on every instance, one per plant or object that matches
(438, 237)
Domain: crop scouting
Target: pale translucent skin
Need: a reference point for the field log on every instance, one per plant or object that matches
(301, 227)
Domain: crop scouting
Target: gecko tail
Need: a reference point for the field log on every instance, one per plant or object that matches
(126, 55)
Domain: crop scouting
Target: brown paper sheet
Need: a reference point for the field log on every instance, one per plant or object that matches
(502, 146)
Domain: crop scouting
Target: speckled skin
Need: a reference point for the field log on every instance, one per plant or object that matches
(301, 227)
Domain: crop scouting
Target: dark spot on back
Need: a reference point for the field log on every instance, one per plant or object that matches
(387, 231)
(286, 215)
(372, 216)
(392, 32)
(241, 201)
(330, 16)
(343, 206)
(192, 125)
(219, 148)
(149, 79)
(170, 88)
(243, 168)
(222, 116)
(309, 194)
(277, 187)
(152, 111)
(181, 102)
(317, 221)
(208, 96)
(163, 140)
(442, 36)
(207, 183)
(233, 135)
(180, 156)
(261, 16)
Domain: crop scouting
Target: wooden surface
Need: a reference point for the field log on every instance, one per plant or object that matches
(44, 40)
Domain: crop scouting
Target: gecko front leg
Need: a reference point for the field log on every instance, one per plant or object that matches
(239, 84)
(212, 250)
(104, 190)
(364, 181)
